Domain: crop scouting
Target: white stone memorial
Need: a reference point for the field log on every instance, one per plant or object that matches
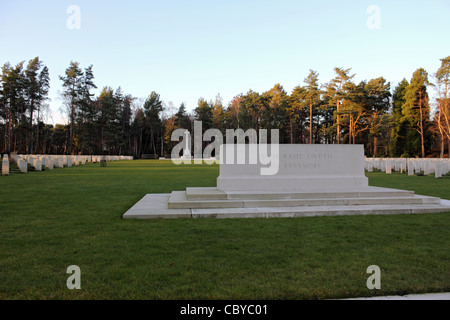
(410, 167)
(388, 166)
(293, 181)
(23, 165)
(5, 165)
(187, 147)
(311, 167)
(37, 164)
(49, 163)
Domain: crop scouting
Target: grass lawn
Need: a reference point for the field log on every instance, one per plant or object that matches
(53, 219)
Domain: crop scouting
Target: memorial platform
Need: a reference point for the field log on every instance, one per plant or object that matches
(311, 180)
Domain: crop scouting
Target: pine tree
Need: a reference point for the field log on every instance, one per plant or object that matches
(443, 113)
(416, 108)
(311, 98)
(182, 120)
(73, 93)
(152, 109)
(335, 91)
(378, 101)
(400, 126)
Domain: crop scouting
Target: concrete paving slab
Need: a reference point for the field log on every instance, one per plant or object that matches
(427, 296)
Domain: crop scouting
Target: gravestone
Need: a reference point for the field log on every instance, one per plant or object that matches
(410, 167)
(388, 166)
(370, 166)
(49, 163)
(426, 167)
(37, 164)
(439, 171)
(5, 165)
(59, 162)
(23, 165)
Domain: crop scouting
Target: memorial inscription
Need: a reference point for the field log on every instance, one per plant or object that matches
(300, 161)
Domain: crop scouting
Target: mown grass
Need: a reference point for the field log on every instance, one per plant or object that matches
(73, 216)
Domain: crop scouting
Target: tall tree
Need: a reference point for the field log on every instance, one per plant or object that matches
(13, 102)
(233, 112)
(337, 95)
(37, 83)
(182, 118)
(152, 108)
(400, 125)
(204, 113)
(378, 101)
(354, 110)
(277, 102)
(218, 114)
(443, 113)
(416, 108)
(297, 114)
(312, 98)
(72, 93)
(108, 120)
(253, 110)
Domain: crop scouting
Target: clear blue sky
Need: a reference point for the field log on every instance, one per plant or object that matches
(187, 49)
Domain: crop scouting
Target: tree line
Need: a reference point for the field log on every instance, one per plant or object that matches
(395, 122)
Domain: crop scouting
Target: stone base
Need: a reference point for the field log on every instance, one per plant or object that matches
(262, 183)
(214, 203)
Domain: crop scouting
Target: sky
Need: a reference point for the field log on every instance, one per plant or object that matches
(191, 49)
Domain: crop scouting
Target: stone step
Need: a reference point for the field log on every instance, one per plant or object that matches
(205, 194)
(178, 200)
(369, 192)
(155, 206)
(296, 212)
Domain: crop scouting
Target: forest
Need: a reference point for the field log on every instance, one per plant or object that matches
(408, 119)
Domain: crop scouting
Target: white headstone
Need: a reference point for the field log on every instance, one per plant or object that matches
(49, 163)
(37, 164)
(438, 171)
(370, 166)
(426, 167)
(23, 165)
(410, 167)
(5, 165)
(388, 166)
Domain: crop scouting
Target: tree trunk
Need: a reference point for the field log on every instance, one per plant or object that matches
(72, 116)
(421, 127)
(338, 123)
(10, 132)
(375, 146)
(310, 121)
(291, 124)
(448, 148)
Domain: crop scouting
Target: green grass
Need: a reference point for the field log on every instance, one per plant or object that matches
(53, 219)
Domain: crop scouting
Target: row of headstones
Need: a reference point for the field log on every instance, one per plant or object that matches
(439, 167)
(54, 161)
